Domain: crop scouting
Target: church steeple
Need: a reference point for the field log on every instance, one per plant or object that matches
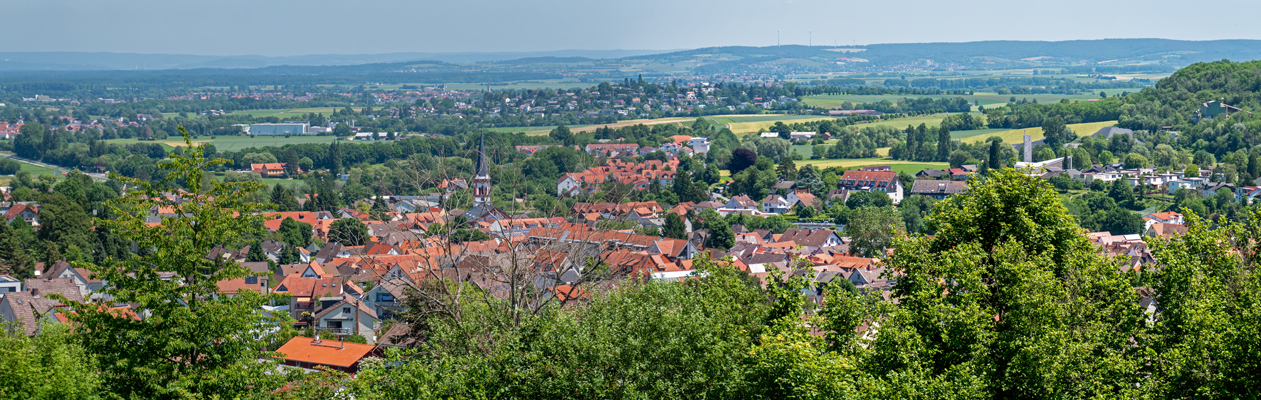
(481, 182)
(481, 160)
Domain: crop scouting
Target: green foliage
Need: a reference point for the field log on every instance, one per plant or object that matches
(720, 234)
(50, 365)
(1207, 336)
(192, 342)
(873, 229)
(674, 227)
(348, 232)
(294, 233)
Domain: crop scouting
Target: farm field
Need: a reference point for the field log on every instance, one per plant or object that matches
(531, 130)
(901, 123)
(763, 126)
(981, 99)
(910, 167)
(619, 124)
(236, 143)
(1015, 136)
(541, 84)
(971, 133)
(732, 119)
(290, 112)
(862, 162)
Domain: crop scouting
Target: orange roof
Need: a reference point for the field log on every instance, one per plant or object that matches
(325, 352)
(273, 219)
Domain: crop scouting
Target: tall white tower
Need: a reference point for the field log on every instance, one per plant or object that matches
(1028, 148)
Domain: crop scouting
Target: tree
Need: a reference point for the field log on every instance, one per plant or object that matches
(1120, 221)
(873, 229)
(741, 158)
(191, 341)
(64, 222)
(1007, 277)
(674, 227)
(1207, 325)
(50, 365)
(1055, 132)
(348, 232)
(283, 199)
(783, 131)
(294, 233)
(341, 129)
(943, 143)
(562, 134)
(787, 170)
(1122, 193)
(335, 158)
(256, 253)
(958, 158)
(720, 234)
(1192, 171)
(994, 162)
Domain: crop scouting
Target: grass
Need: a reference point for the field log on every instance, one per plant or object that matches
(910, 167)
(731, 119)
(1017, 135)
(764, 126)
(971, 133)
(980, 99)
(290, 112)
(235, 143)
(621, 124)
(36, 169)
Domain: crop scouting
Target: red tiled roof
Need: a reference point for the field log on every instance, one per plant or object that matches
(326, 352)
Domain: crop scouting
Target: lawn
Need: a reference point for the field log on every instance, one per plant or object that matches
(1015, 136)
(36, 169)
(235, 143)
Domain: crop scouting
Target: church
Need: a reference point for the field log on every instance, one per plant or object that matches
(482, 208)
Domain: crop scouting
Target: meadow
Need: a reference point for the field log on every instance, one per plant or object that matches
(296, 113)
(235, 143)
(1015, 136)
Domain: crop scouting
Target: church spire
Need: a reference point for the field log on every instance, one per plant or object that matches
(481, 159)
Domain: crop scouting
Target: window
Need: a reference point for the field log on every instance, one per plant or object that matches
(346, 310)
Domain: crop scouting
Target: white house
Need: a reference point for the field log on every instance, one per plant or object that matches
(700, 145)
(774, 204)
(349, 316)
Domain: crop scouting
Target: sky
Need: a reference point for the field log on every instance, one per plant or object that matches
(285, 27)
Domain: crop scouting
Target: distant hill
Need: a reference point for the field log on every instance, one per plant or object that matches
(81, 61)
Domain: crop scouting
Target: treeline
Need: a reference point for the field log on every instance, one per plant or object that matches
(1031, 84)
(1122, 69)
(1015, 116)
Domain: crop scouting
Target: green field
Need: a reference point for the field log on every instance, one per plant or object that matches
(235, 143)
(760, 118)
(862, 162)
(36, 169)
(290, 112)
(1015, 136)
(532, 130)
(981, 99)
(967, 134)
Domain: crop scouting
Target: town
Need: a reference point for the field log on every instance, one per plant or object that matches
(792, 221)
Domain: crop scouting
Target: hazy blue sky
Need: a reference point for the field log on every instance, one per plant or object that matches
(274, 28)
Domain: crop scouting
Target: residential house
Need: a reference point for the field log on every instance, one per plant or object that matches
(873, 181)
(1167, 217)
(314, 353)
(350, 316)
(775, 204)
(9, 284)
(268, 170)
(811, 239)
(938, 189)
(82, 278)
(800, 198)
